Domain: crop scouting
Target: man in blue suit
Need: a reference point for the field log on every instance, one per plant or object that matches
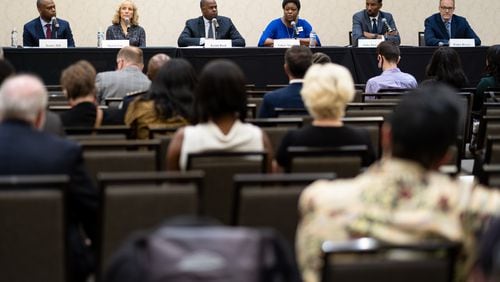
(371, 23)
(198, 29)
(26, 150)
(298, 59)
(442, 26)
(44, 28)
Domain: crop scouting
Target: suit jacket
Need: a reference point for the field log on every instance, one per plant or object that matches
(25, 150)
(361, 22)
(435, 30)
(119, 83)
(286, 97)
(33, 31)
(195, 29)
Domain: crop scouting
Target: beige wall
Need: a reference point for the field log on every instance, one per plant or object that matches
(164, 19)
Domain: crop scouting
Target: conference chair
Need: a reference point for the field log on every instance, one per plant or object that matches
(33, 231)
(372, 260)
(158, 130)
(421, 39)
(382, 97)
(291, 112)
(86, 132)
(219, 168)
(131, 201)
(344, 161)
(491, 175)
(374, 127)
(277, 128)
(492, 153)
(369, 109)
(271, 200)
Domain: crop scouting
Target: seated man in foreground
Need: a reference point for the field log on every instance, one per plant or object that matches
(402, 198)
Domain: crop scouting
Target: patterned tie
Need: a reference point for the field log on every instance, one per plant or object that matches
(210, 31)
(48, 34)
(448, 28)
(375, 27)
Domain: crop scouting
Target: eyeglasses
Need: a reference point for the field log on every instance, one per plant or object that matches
(447, 8)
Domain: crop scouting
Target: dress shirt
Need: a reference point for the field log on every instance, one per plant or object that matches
(44, 25)
(391, 78)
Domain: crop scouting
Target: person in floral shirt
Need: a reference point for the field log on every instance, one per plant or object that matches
(402, 198)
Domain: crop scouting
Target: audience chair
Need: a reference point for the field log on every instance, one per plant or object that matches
(372, 260)
(113, 102)
(271, 200)
(344, 161)
(33, 224)
(219, 168)
(491, 175)
(369, 109)
(492, 153)
(291, 112)
(374, 127)
(277, 128)
(158, 130)
(132, 201)
(117, 130)
(382, 97)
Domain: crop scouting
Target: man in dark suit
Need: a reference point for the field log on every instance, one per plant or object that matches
(298, 59)
(371, 23)
(442, 26)
(25, 150)
(44, 28)
(198, 29)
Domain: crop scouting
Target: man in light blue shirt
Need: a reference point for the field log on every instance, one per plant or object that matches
(388, 56)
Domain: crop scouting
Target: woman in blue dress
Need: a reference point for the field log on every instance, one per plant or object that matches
(282, 28)
(126, 26)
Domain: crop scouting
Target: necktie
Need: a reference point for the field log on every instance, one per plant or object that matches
(448, 28)
(375, 27)
(210, 31)
(48, 34)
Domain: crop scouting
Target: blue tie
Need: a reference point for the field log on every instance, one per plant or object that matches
(448, 28)
(375, 27)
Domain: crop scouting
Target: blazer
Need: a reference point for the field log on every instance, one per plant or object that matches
(361, 22)
(435, 30)
(195, 29)
(118, 83)
(33, 31)
(286, 97)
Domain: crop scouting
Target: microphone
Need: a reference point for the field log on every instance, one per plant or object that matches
(294, 25)
(127, 23)
(387, 26)
(54, 22)
(215, 22)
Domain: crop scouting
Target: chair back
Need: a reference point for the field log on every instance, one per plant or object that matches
(374, 127)
(219, 168)
(377, 261)
(271, 200)
(33, 231)
(344, 161)
(132, 201)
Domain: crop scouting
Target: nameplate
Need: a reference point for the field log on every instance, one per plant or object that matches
(369, 43)
(218, 43)
(115, 43)
(53, 43)
(462, 42)
(285, 43)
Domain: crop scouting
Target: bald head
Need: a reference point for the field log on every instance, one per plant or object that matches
(23, 97)
(155, 63)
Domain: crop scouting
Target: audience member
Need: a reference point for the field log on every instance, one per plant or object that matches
(487, 268)
(25, 150)
(492, 78)
(371, 23)
(44, 27)
(326, 91)
(402, 198)
(210, 25)
(168, 102)
(297, 60)
(282, 28)
(321, 58)
(126, 25)
(442, 26)
(220, 108)
(127, 78)
(78, 84)
(445, 66)
(388, 57)
(155, 63)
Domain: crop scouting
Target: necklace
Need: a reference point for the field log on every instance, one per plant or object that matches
(288, 29)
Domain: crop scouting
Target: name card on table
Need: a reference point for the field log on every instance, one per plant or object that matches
(462, 42)
(285, 43)
(218, 43)
(115, 43)
(53, 43)
(369, 43)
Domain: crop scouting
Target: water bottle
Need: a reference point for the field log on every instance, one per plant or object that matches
(100, 38)
(13, 38)
(312, 39)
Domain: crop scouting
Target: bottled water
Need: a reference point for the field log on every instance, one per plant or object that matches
(13, 38)
(312, 39)
(100, 38)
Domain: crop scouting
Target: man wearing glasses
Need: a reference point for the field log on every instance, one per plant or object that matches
(442, 26)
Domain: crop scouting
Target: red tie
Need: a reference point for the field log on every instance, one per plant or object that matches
(49, 31)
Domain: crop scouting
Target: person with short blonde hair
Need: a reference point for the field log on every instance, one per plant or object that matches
(126, 25)
(326, 91)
